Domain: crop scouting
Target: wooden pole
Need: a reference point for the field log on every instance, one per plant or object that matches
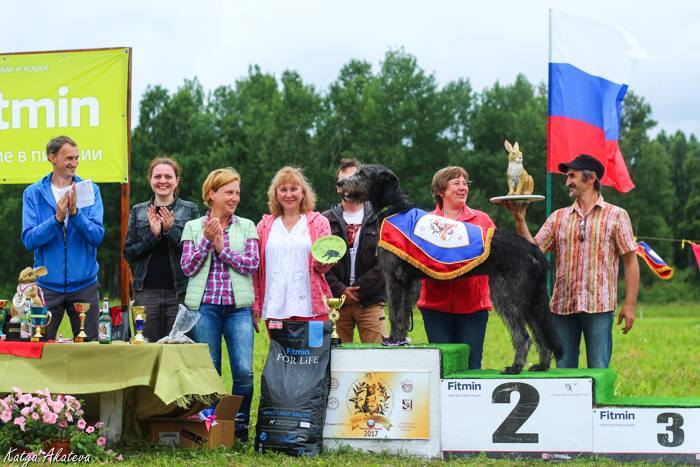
(125, 272)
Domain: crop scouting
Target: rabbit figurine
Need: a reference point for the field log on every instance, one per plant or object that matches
(519, 182)
(27, 290)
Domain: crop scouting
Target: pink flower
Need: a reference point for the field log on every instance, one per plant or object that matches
(101, 441)
(58, 406)
(26, 411)
(50, 418)
(120, 457)
(62, 424)
(26, 399)
(81, 424)
(35, 416)
(44, 408)
(69, 416)
(99, 425)
(20, 421)
(17, 390)
(6, 415)
(90, 429)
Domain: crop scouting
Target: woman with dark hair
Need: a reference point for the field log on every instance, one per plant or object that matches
(456, 311)
(153, 248)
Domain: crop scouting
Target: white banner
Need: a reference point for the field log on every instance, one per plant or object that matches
(634, 430)
(527, 415)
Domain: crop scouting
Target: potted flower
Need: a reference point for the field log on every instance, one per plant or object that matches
(49, 426)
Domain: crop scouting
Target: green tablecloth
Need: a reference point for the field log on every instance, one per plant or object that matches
(171, 371)
(158, 377)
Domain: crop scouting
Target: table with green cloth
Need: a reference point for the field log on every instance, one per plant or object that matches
(134, 382)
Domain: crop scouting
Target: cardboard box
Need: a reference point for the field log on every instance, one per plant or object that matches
(184, 432)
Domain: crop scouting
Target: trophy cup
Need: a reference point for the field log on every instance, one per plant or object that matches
(41, 317)
(138, 314)
(81, 308)
(2, 318)
(334, 305)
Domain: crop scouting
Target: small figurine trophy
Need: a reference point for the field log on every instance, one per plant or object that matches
(81, 308)
(41, 318)
(138, 314)
(334, 305)
(2, 318)
(520, 184)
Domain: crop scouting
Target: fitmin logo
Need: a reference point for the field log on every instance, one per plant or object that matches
(614, 415)
(60, 112)
(459, 386)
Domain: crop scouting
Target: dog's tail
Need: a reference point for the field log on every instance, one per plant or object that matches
(544, 314)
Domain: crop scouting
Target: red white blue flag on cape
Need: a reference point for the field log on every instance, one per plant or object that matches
(654, 261)
(440, 247)
(589, 68)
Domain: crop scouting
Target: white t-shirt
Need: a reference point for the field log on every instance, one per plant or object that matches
(354, 218)
(58, 192)
(287, 280)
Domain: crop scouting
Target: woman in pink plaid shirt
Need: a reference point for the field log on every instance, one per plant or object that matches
(220, 255)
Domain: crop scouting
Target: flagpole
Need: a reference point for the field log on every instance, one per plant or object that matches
(548, 176)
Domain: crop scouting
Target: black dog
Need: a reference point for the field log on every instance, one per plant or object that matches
(516, 269)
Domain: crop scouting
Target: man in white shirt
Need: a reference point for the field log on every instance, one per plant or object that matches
(357, 275)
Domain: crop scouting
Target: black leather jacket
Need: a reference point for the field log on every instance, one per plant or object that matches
(368, 276)
(140, 241)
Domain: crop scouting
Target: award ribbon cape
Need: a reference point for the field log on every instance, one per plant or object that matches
(440, 247)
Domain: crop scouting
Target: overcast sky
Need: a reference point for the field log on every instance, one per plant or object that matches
(483, 41)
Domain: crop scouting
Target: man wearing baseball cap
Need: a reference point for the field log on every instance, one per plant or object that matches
(587, 238)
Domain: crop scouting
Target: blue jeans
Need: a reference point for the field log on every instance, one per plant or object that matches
(597, 332)
(453, 328)
(236, 325)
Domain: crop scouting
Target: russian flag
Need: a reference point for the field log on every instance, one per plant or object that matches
(654, 261)
(589, 68)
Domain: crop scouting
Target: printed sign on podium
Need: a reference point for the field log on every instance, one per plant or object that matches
(507, 415)
(653, 431)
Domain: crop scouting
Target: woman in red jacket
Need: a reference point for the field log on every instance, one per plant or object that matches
(456, 311)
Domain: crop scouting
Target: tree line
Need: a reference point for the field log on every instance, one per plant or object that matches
(396, 114)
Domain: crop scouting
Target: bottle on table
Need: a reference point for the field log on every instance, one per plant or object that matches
(105, 323)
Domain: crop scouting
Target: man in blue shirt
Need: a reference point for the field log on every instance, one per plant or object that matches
(64, 238)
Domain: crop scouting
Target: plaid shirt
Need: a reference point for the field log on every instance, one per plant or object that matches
(587, 249)
(219, 290)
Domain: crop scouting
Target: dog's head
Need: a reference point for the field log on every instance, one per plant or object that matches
(372, 182)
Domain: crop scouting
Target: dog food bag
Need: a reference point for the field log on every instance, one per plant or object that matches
(294, 389)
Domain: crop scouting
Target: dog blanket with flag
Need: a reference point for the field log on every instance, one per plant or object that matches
(440, 247)
(654, 261)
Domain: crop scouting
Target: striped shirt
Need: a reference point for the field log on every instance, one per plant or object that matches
(587, 250)
(219, 290)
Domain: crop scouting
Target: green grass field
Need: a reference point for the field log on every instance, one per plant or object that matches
(659, 357)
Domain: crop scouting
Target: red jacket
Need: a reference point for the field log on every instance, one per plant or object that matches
(465, 295)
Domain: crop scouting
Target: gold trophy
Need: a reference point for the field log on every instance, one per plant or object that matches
(81, 308)
(41, 318)
(334, 305)
(138, 314)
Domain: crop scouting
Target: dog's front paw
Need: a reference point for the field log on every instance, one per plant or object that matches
(512, 370)
(539, 367)
(392, 342)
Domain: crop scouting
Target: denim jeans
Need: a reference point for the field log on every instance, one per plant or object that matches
(454, 328)
(236, 326)
(597, 333)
